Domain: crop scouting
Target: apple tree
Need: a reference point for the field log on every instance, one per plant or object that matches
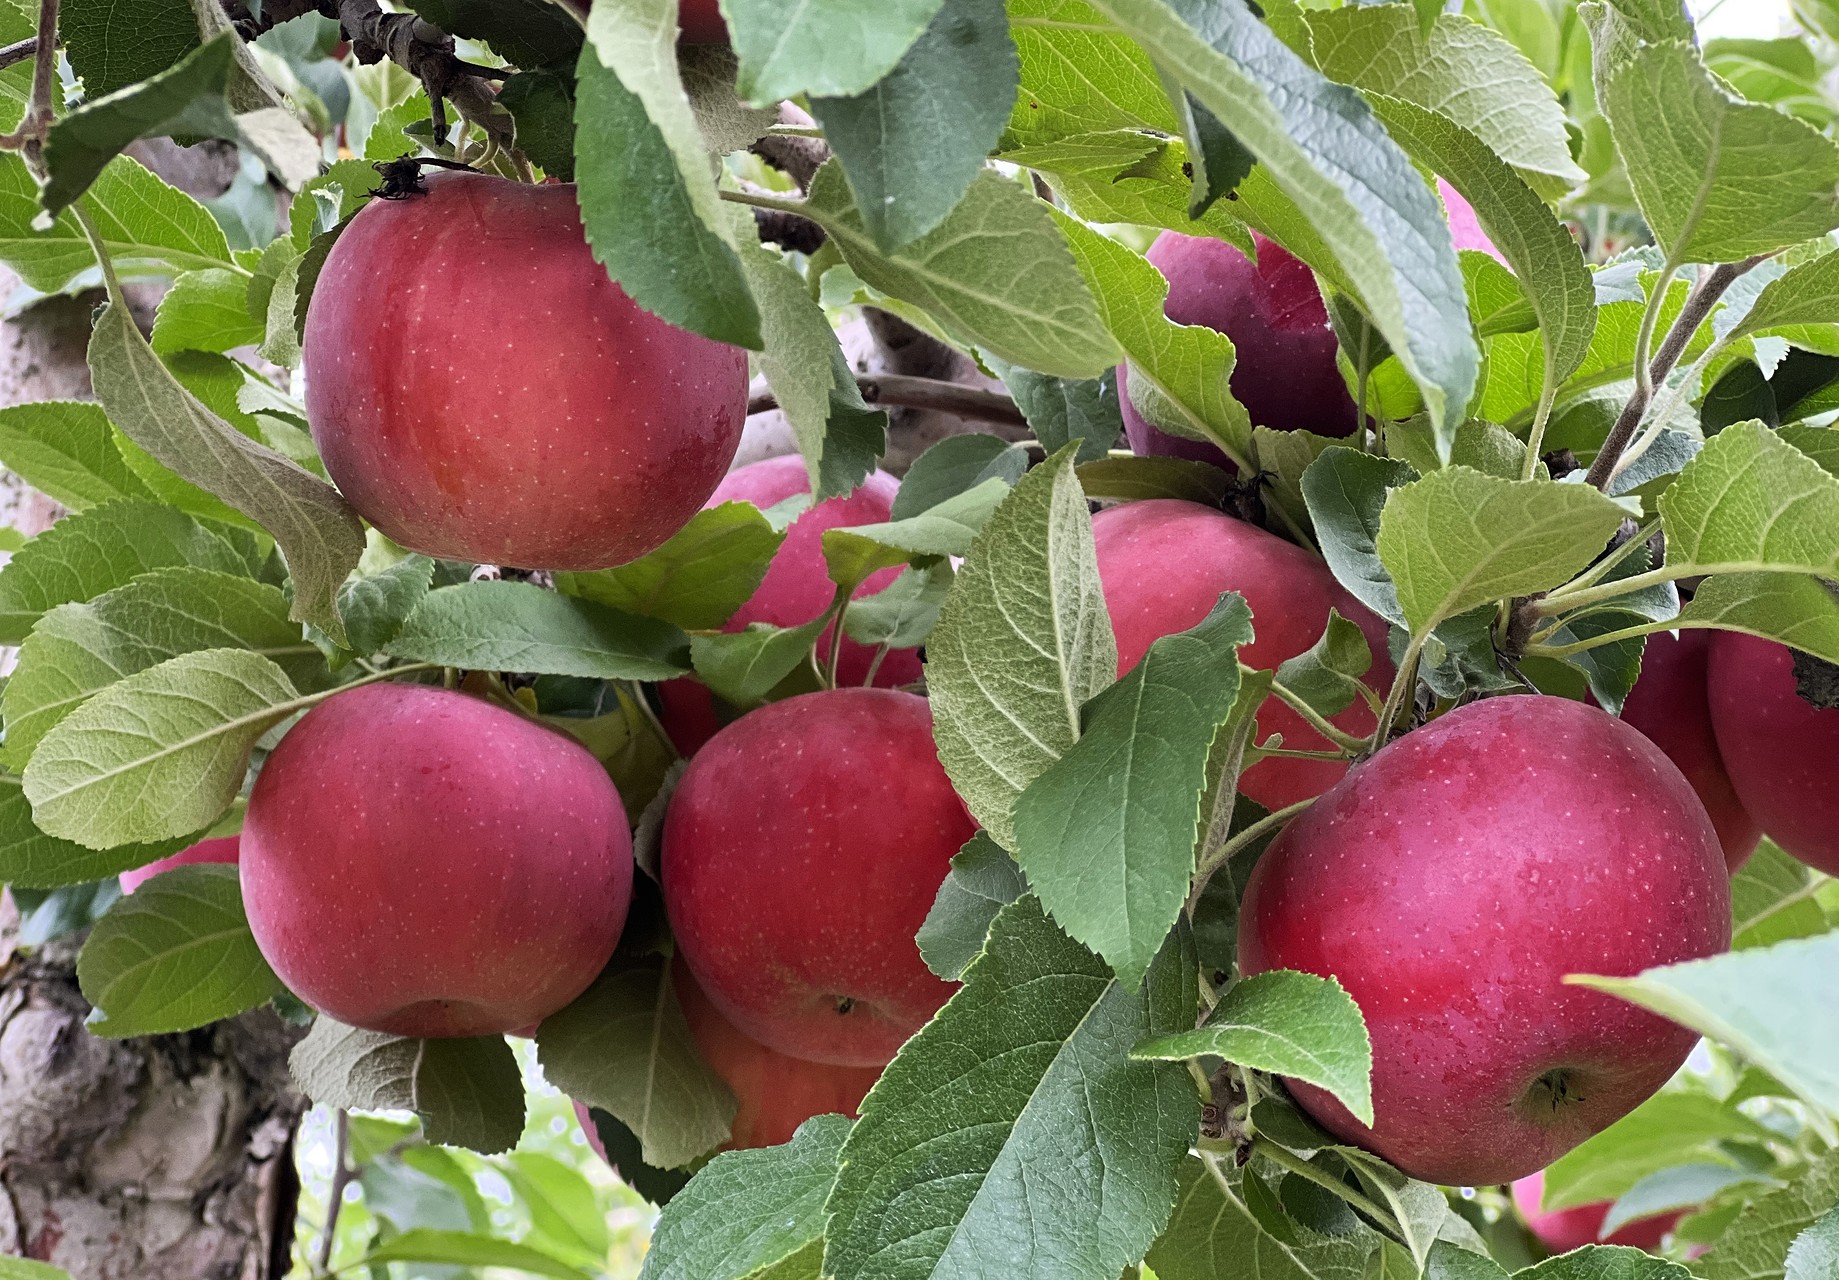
(1326, 771)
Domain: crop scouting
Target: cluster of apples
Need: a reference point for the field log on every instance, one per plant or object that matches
(421, 862)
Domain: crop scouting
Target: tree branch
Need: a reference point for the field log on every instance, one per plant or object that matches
(18, 51)
(1699, 302)
(971, 403)
(425, 52)
(29, 138)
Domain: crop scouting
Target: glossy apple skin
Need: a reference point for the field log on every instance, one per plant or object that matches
(1782, 752)
(797, 587)
(776, 1091)
(1163, 564)
(1450, 883)
(423, 863)
(222, 849)
(1563, 1230)
(801, 852)
(1671, 704)
(1284, 373)
(1464, 225)
(481, 391)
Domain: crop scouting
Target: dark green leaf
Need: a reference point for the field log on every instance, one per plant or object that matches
(542, 103)
(984, 879)
(516, 626)
(745, 666)
(30, 859)
(697, 580)
(954, 465)
(1346, 491)
(112, 46)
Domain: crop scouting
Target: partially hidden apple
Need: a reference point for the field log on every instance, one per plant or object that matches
(1781, 750)
(1671, 704)
(222, 849)
(1284, 373)
(700, 22)
(421, 862)
(1163, 564)
(1562, 1230)
(1450, 884)
(797, 587)
(1465, 224)
(482, 391)
(801, 852)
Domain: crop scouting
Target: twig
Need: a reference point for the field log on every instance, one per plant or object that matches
(29, 137)
(971, 403)
(335, 1196)
(425, 52)
(1699, 302)
(18, 51)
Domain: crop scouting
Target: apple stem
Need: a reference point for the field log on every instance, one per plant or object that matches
(1288, 1159)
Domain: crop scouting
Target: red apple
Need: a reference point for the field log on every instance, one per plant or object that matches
(1285, 373)
(480, 390)
(222, 849)
(1782, 751)
(776, 1091)
(424, 863)
(700, 21)
(1562, 1230)
(797, 587)
(1163, 564)
(1450, 883)
(1671, 705)
(1464, 225)
(801, 853)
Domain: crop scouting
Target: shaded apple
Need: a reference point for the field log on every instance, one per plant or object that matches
(1670, 703)
(482, 391)
(222, 849)
(700, 22)
(424, 863)
(1464, 225)
(1450, 883)
(1163, 564)
(1562, 1230)
(797, 587)
(1284, 374)
(1782, 751)
(801, 852)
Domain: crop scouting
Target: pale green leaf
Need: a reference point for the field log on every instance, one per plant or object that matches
(206, 311)
(820, 47)
(1794, 609)
(464, 1249)
(1755, 1246)
(66, 450)
(1751, 501)
(696, 580)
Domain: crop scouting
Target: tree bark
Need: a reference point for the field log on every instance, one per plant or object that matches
(163, 1158)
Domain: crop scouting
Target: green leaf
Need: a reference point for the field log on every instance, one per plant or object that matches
(744, 667)
(1022, 643)
(707, 570)
(542, 104)
(26, 1269)
(820, 48)
(189, 98)
(1606, 1262)
(1752, 501)
(1062, 410)
(1457, 538)
(148, 227)
(1806, 294)
(747, 1210)
(1347, 492)
(1671, 1128)
(375, 605)
(161, 753)
(1683, 1188)
(1024, 1070)
(66, 449)
(902, 614)
(1106, 833)
(1321, 149)
(1450, 1262)
(1080, 75)
(112, 47)
(983, 880)
(1767, 1003)
(97, 550)
(837, 434)
(1290, 1024)
(1185, 368)
(1135, 479)
(77, 650)
(1546, 260)
(529, 33)
(206, 311)
(465, 1249)
(466, 1090)
(1215, 1232)
(623, 1046)
(913, 142)
(1717, 178)
(516, 626)
(855, 552)
(1327, 674)
(30, 859)
(995, 272)
(175, 954)
(1754, 1246)
(726, 123)
(1772, 900)
(1794, 609)
(1460, 70)
(647, 194)
(956, 465)
(319, 534)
